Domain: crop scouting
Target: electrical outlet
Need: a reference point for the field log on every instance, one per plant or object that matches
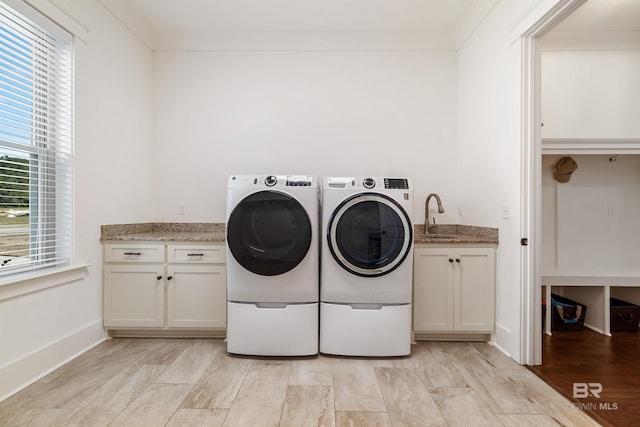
(611, 211)
(181, 210)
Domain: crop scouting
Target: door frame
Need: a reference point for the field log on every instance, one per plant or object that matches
(531, 179)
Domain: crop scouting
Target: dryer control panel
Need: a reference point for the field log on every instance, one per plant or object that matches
(273, 181)
(298, 181)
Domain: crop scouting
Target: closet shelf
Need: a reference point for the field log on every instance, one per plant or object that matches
(593, 291)
(612, 280)
(565, 146)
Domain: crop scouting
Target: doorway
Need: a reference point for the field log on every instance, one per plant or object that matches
(584, 128)
(541, 150)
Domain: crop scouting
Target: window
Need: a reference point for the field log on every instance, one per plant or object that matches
(35, 140)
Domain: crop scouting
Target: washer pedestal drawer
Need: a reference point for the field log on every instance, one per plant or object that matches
(359, 330)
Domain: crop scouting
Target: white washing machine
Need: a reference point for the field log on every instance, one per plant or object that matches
(272, 265)
(367, 265)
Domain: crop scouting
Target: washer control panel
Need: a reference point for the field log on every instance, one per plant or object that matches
(271, 180)
(369, 183)
(396, 183)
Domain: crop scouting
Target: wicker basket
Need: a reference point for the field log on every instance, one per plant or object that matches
(625, 316)
(566, 314)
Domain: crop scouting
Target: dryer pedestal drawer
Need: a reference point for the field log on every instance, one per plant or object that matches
(290, 330)
(365, 331)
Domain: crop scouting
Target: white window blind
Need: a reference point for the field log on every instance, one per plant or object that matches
(35, 140)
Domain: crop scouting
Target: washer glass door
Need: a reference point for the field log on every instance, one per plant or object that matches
(269, 233)
(369, 234)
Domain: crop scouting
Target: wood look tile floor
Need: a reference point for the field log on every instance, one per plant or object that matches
(194, 382)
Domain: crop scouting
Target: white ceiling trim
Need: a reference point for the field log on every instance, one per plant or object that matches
(305, 41)
(471, 19)
(413, 39)
(367, 33)
(132, 20)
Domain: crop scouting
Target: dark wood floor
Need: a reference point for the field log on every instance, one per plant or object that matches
(589, 357)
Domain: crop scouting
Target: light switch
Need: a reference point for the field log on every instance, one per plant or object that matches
(506, 211)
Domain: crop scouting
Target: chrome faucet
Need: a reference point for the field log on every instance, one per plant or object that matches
(426, 210)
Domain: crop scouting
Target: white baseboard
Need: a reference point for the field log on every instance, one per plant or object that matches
(501, 335)
(24, 372)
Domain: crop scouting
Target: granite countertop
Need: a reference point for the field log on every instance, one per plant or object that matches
(215, 232)
(455, 233)
(165, 232)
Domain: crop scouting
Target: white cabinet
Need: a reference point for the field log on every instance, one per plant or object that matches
(454, 289)
(134, 295)
(197, 286)
(164, 287)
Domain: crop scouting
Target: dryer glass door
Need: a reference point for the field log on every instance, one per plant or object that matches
(269, 233)
(369, 234)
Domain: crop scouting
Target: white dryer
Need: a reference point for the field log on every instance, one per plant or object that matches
(367, 266)
(272, 265)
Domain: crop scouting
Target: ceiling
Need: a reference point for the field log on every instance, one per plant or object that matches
(153, 20)
(159, 23)
(603, 15)
(299, 15)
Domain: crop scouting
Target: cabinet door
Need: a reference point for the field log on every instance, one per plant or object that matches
(196, 296)
(474, 283)
(432, 289)
(134, 295)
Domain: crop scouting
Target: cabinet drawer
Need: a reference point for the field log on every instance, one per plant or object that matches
(196, 254)
(133, 253)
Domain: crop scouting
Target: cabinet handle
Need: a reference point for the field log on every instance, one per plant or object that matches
(159, 277)
(195, 254)
(450, 259)
(169, 277)
(457, 259)
(133, 253)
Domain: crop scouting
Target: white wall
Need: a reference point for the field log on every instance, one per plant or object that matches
(591, 93)
(489, 153)
(590, 224)
(113, 183)
(325, 113)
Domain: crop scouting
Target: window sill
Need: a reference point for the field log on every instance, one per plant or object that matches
(26, 283)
